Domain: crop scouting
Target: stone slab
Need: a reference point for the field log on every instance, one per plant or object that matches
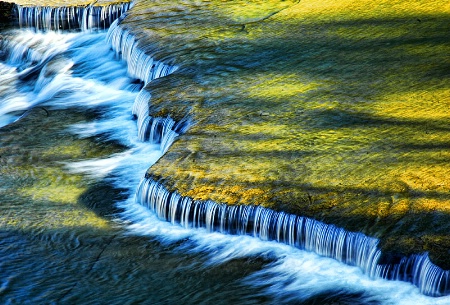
(332, 110)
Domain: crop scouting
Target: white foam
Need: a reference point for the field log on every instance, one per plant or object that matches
(63, 64)
(294, 276)
(70, 18)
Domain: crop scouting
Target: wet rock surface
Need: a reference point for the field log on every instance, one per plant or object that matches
(336, 111)
(333, 111)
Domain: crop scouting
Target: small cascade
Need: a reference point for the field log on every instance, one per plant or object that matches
(156, 129)
(351, 248)
(46, 18)
(144, 67)
(140, 64)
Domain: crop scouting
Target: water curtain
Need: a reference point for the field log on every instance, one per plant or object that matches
(144, 67)
(46, 18)
(351, 248)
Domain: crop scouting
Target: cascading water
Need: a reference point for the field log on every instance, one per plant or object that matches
(156, 129)
(48, 18)
(351, 248)
(62, 70)
(145, 68)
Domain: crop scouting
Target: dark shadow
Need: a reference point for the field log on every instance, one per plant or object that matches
(334, 119)
(63, 265)
(6, 16)
(102, 198)
(341, 298)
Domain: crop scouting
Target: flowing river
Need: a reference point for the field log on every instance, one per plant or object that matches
(124, 253)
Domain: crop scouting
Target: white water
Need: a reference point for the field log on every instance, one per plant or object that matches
(351, 248)
(70, 18)
(71, 73)
(295, 276)
(61, 71)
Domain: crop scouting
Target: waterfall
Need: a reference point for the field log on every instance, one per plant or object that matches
(156, 129)
(146, 68)
(140, 64)
(45, 18)
(351, 248)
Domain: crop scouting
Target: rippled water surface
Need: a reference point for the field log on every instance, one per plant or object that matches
(70, 231)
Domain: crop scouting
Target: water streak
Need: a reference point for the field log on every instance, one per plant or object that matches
(144, 67)
(140, 64)
(46, 18)
(351, 248)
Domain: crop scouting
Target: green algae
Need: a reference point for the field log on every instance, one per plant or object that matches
(333, 110)
(37, 190)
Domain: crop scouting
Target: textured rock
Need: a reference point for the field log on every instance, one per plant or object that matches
(332, 110)
(5, 13)
(337, 111)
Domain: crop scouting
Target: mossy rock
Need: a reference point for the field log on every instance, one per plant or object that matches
(333, 110)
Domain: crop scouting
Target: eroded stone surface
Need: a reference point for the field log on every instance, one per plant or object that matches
(333, 110)
(338, 111)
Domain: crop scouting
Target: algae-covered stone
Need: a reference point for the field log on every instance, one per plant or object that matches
(336, 110)
(34, 179)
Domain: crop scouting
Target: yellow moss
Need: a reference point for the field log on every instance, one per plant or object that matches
(54, 219)
(349, 9)
(54, 192)
(279, 86)
(251, 11)
(399, 206)
(74, 150)
(433, 205)
(429, 105)
(200, 193)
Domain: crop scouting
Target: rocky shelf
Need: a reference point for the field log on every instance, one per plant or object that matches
(337, 112)
(334, 111)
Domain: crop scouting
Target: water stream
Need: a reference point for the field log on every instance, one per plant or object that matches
(135, 256)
